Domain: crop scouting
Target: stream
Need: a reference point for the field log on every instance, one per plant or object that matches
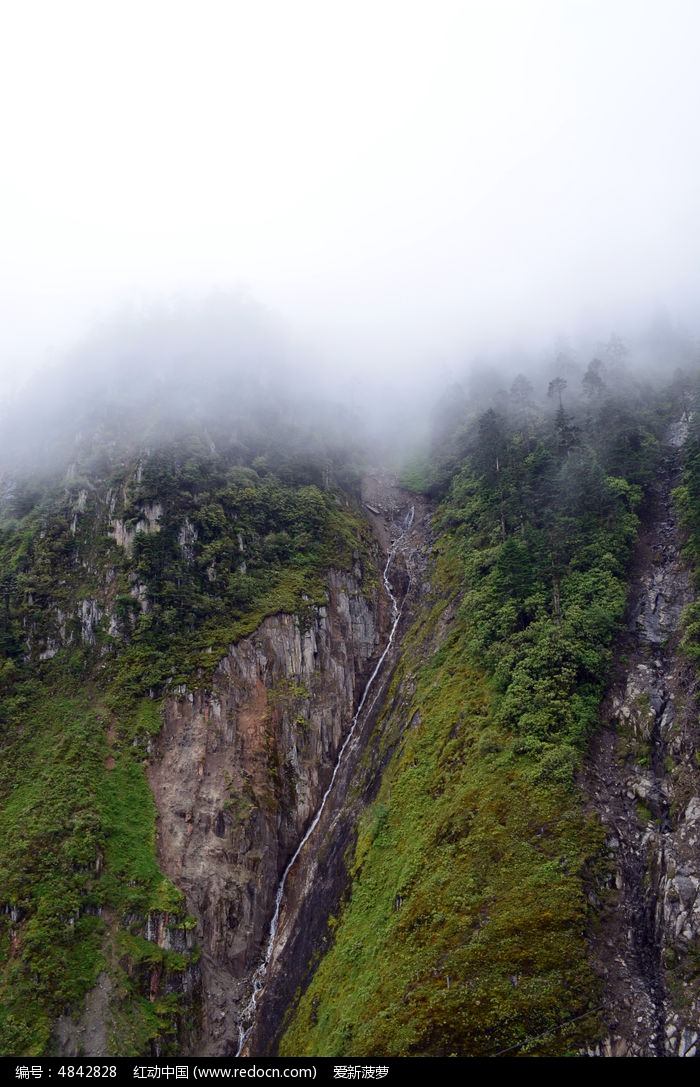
(247, 1021)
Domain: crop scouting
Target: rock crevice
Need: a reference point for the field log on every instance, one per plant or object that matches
(644, 783)
(238, 771)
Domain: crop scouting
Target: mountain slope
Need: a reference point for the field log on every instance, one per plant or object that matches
(122, 580)
(189, 621)
(464, 926)
(643, 781)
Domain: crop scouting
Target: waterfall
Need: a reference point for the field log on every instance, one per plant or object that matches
(258, 981)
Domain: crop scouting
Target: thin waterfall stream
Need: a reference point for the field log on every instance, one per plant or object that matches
(258, 979)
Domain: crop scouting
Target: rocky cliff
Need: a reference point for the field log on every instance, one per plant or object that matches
(319, 877)
(238, 772)
(177, 613)
(293, 766)
(644, 782)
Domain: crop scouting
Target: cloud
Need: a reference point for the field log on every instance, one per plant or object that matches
(400, 180)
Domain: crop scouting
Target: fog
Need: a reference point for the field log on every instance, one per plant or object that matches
(404, 187)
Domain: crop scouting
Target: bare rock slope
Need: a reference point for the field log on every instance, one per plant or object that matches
(643, 781)
(239, 772)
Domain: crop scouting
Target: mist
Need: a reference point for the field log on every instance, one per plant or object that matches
(408, 191)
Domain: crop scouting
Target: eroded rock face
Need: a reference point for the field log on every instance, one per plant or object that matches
(645, 781)
(90, 1031)
(238, 772)
(319, 877)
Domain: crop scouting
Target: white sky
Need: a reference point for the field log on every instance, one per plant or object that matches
(396, 178)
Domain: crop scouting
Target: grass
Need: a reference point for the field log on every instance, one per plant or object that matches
(79, 703)
(464, 929)
(77, 856)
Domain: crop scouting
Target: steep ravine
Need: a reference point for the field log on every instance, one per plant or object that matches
(318, 878)
(238, 774)
(643, 781)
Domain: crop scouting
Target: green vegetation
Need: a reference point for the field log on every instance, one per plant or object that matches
(544, 546)
(687, 501)
(129, 576)
(211, 546)
(79, 845)
(463, 931)
(231, 548)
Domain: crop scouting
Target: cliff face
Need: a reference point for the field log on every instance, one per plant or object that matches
(92, 1030)
(644, 782)
(319, 877)
(439, 862)
(123, 581)
(238, 773)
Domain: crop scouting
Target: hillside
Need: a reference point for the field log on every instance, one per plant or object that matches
(231, 639)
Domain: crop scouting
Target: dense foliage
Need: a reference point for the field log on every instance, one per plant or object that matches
(464, 928)
(122, 577)
(687, 499)
(543, 520)
(129, 568)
